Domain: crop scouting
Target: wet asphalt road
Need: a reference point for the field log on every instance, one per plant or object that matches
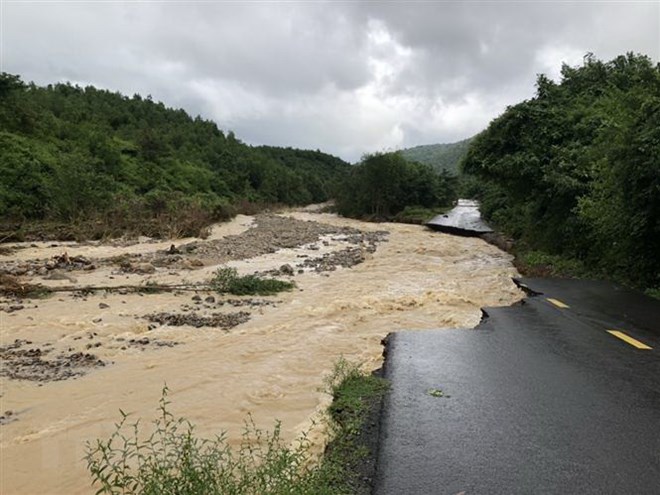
(464, 219)
(539, 398)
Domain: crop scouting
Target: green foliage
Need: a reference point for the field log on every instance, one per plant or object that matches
(653, 293)
(173, 460)
(442, 157)
(356, 403)
(227, 280)
(540, 264)
(418, 215)
(70, 153)
(575, 171)
(384, 184)
(349, 387)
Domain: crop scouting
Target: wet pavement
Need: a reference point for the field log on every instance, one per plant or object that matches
(559, 394)
(464, 219)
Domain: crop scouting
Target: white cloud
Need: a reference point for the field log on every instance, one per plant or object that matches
(347, 78)
(549, 59)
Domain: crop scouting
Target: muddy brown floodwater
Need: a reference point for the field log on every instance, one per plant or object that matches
(270, 361)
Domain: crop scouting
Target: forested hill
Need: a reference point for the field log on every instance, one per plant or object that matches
(441, 157)
(69, 153)
(575, 171)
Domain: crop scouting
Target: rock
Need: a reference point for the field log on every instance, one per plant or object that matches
(19, 270)
(103, 306)
(57, 275)
(196, 298)
(286, 269)
(144, 268)
(222, 320)
(97, 320)
(210, 299)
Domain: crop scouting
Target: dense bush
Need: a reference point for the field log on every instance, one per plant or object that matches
(227, 281)
(69, 153)
(384, 184)
(575, 171)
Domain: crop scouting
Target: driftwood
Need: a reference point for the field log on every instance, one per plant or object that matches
(10, 285)
(132, 288)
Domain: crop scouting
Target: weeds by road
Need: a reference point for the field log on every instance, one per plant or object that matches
(175, 460)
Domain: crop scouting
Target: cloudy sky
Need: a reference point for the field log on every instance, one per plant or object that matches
(345, 77)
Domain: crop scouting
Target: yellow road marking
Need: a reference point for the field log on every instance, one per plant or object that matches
(629, 339)
(557, 303)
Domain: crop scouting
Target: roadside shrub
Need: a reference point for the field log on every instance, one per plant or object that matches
(540, 264)
(173, 460)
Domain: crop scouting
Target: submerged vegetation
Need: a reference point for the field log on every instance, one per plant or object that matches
(85, 156)
(574, 173)
(173, 459)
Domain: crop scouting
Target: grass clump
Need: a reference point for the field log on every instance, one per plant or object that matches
(348, 465)
(173, 460)
(227, 281)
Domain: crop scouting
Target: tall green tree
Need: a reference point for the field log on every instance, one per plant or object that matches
(576, 169)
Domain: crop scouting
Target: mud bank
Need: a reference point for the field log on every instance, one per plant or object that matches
(355, 284)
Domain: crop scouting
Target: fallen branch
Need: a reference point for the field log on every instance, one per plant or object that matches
(42, 290)
(135, 288)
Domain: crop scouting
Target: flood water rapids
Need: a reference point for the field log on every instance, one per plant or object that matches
(273, 366)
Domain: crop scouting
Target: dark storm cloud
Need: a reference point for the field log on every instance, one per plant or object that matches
(344, 77)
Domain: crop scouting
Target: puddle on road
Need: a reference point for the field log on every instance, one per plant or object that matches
(272, 366)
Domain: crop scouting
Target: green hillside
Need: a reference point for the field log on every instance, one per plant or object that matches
(440, 156)
(71, 154)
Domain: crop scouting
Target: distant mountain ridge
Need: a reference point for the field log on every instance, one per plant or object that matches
(441, 157)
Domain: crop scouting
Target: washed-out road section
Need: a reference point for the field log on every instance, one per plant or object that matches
(557, 394)
(464, 219)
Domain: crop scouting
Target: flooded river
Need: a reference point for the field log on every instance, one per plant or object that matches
(271, 366)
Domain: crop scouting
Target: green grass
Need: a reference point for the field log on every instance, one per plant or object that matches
(227, 281)
(174, 460)
(356, 403)
(540, 264)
